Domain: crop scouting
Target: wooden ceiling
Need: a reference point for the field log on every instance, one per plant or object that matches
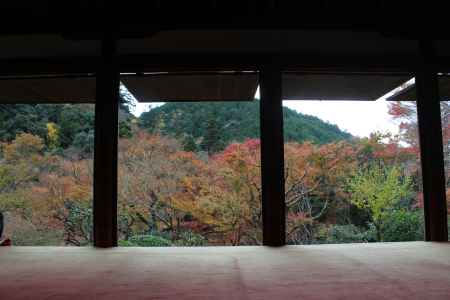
(339, 42)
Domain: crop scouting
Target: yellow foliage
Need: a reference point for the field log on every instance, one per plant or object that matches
(23, 146)
(52, 135)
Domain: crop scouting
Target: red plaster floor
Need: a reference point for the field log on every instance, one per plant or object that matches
(416, 270)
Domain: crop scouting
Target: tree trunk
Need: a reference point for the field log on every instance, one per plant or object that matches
(152, 222)
(379, 236)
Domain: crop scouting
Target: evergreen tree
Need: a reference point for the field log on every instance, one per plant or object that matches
(212, 141)
(73, 120)
(21, 118)
(84, 143)
(189, 144)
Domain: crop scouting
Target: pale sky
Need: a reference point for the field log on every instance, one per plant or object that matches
(360, 118)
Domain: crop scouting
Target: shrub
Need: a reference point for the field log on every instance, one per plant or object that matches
(126, 243)
(191, 239)
(402, 225)
(338, 234)
(146, 241)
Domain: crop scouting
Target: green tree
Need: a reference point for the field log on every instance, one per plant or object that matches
(212, 141)
(125, 122)
(84, 143)
(20, 118)
(125, 129)
(73, 120)
(189, 144)
(378, 189)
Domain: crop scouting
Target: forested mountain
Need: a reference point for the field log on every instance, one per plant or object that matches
(199, 126)
(211, 126)
(60, 126)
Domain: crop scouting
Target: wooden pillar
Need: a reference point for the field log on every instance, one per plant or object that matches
(105, 154)
(431, 150)
(272, 157)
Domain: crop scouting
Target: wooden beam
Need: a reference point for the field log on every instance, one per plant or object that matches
(305, 62)
(44, 66)
(431, 150)
(272, 157)
(106, 138)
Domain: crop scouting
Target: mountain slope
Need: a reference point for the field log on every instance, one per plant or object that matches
(201, 124)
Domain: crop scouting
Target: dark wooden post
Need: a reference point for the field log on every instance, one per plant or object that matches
(431, 150)
(272, 157)
(105, 155)
(1, 225)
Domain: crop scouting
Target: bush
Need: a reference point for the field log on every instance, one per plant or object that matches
(145, 241)
(126, 243)
(402, 225)
(186, 238)
(339, 234)
(191, 239)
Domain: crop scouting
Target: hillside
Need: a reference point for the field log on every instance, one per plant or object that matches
(200, 125)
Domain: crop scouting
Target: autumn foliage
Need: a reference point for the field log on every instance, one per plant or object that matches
(343, 191)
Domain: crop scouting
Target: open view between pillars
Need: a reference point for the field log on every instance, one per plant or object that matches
(106, 139)
(272, 150)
